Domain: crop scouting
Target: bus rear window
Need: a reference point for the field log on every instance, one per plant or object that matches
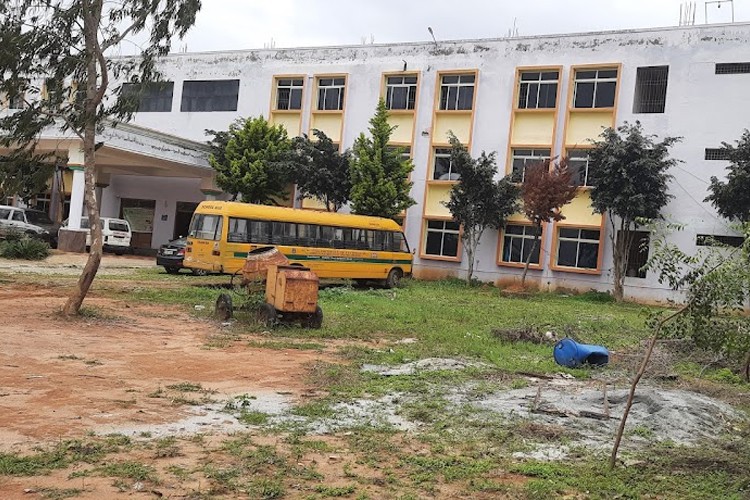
(206, 227)
(118, 226)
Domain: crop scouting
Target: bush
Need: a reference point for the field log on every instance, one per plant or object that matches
(24, 248)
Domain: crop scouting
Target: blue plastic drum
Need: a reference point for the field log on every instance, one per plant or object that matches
(570, 353)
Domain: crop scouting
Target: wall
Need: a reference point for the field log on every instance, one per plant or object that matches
(702, 107)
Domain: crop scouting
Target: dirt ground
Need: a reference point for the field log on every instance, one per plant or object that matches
(60, 379)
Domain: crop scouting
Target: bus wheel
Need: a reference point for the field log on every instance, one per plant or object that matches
(267, 315)
(199, 272)
(394, 278)
(315, 320)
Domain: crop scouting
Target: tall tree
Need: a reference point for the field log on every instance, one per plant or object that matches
(478, 201)
(63, 43)
(629, 173)
(546, 188)
(256, 162)
(23, 175)
(732, 197)
(323, 171)
(379, 172)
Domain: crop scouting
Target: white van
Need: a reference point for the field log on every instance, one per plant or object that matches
(115, 232)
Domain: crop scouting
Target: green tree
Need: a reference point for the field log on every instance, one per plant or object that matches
(477, 201)
(322, 172)
(23, 174)
(629, 172)
(256, 163)
(64, 43)
(731, 198)
(379, 172)
(716, 285)
(546, 188)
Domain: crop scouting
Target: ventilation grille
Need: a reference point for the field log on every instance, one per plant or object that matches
(717, 154)
(732, 68)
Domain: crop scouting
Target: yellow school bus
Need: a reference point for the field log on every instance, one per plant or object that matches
(333, 245)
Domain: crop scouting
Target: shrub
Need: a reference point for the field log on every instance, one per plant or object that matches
(24, 248)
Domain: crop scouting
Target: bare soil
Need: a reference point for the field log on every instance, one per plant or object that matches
(60, 378)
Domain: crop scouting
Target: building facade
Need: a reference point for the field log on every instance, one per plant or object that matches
(527, 98)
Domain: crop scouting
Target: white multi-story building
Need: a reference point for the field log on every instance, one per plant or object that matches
(526, 98)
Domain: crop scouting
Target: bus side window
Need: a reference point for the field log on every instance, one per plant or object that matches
(381, 239)
(307, 234)
(238, 231)
(326, 237)
(284, 233)
(260, 231)
(338, 237)
(399, 243)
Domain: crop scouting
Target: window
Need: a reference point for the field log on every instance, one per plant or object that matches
(442, 238)
(732, 68)
(638, 255)
(457, 92)
(206, 227)
(578, 248)
(289, 93)
(18, 216)
(538, 90)
(518, 241)
(152, 97)
(721, 154)
(210, 95)
(715, 240)
(400, 92)
(4, 213)
(37, 217)
(118, 226)
(443, 166)
(651, 89)
(578, 163)
(16, 101)
(524, 158)
(331, 93)
(595, 88)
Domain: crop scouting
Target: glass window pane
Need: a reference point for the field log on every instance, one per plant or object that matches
(569, 233)
(548, 96)
(584, 95)
(434, 243)
(605, 94)
(447, 79)
(550, 75)
(467, 78)
(325, 82)
(410, 80)
(450, 245)
(435, 224)
(582, 75)
(607, 73)
(514, 229)
(452, 226)
(338, 81)
(529, 76)
(295, 101)
(285, 83)
(533, 95)
(587, 255)
(394, 80)
(523, 96)
(588, 234)
(283, 99)
(515, 249)
(566, 255)
(297, 83)
(465, 97)
(398, 98)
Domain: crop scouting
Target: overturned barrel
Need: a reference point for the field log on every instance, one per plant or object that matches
(570, 353)
(257, 262)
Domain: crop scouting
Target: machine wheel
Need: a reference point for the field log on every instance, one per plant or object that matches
(171, 270)
(199, 272)
(394, 278)
(223, 308)
(315, 320)
(267, 315)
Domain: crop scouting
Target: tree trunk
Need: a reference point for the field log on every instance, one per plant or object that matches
(538, 230)
(91, 23)
(470, 256)
(622, 239)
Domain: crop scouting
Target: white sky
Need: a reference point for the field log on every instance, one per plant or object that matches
(250, 24)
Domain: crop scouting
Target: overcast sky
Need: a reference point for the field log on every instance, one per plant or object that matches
(250, 24)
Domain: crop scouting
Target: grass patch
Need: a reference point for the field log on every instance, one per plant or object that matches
(286, 344)
(253, 417)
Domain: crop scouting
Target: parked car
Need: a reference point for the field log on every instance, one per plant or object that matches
(34, 223)
(170, 255)
(115, 232)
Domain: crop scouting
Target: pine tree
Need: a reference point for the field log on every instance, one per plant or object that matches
(379, 172)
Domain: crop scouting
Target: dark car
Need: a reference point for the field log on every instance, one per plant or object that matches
(170, 255)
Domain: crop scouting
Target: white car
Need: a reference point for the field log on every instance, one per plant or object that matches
(115, 232)
(29, 222)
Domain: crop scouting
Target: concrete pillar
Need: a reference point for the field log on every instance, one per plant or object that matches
(78, 190)
(209, 189)
(73, 238)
